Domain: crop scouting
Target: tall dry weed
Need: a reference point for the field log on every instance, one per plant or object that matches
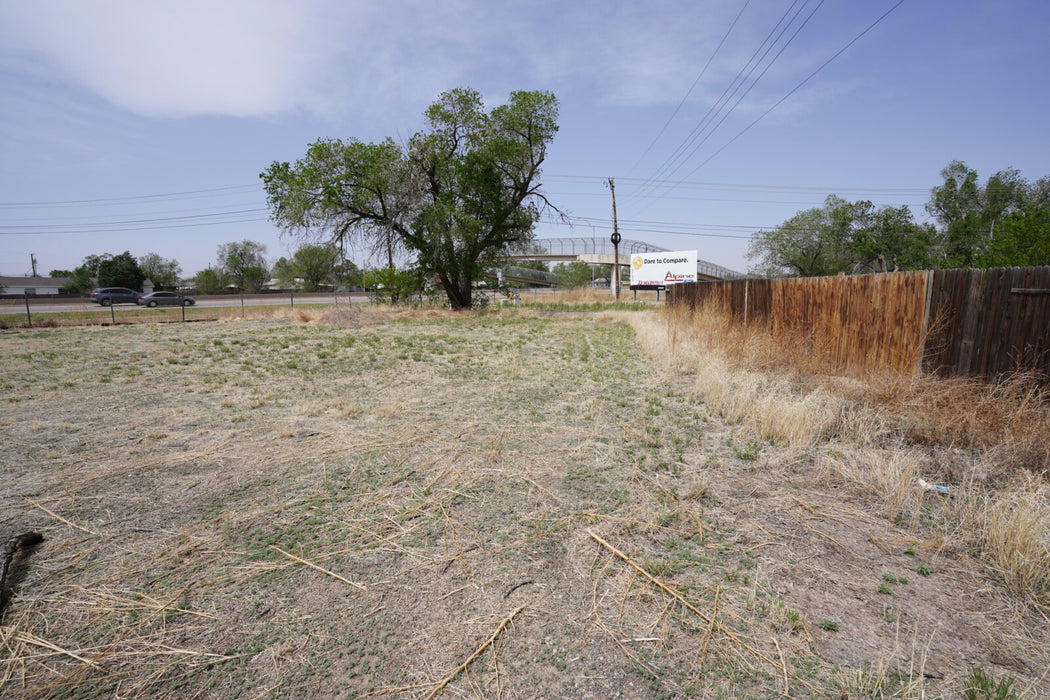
(1016, 538)
(1008, 419)
(891, 476)
(776, 407)
(885, 431)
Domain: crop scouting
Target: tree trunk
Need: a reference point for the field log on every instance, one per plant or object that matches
(459, 295)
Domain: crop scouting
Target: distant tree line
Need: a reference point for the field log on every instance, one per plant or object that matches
(239, 265)
(124, 270)
(1003, 223)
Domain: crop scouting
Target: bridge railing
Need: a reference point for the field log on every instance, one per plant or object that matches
(628, 247)
(527, 273)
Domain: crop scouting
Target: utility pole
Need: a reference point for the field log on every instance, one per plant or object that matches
(32, 260)
(615, 238)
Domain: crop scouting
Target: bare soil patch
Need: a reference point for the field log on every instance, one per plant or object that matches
(506, 504)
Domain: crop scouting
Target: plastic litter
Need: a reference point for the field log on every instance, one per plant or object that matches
(943, 490)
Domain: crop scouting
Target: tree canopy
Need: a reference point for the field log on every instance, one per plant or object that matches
(459, 195)
(243, 264)
(120, 271)
(162, 272)
(1005, 222)
(310, 267)
(841, 236)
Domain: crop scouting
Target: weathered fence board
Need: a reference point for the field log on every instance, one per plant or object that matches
(981, 323)
(990, 322)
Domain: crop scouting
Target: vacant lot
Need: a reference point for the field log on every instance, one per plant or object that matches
(501, 505)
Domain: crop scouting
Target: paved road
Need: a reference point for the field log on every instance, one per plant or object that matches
(42, 305)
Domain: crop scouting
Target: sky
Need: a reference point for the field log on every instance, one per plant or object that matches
(143, 126)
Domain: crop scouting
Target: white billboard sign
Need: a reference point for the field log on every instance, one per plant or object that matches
(657, 270)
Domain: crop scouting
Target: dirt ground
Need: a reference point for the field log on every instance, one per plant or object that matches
(502, 505)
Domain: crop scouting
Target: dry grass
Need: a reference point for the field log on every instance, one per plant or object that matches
(990, 444)
(372, 502)
(1016, 535)
(353, 501)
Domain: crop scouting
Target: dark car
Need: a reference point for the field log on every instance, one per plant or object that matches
(164, 299)
(114, 295)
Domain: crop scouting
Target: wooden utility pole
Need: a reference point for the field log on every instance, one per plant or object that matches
(615, 238)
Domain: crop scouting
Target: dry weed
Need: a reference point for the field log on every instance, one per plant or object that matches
(891, 476)
(371, 504)
(781, 388)
(1016, 537)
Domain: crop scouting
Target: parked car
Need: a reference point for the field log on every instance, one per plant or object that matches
(114, 295)
(164, 299)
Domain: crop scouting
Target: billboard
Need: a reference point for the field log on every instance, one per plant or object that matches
(659, 270)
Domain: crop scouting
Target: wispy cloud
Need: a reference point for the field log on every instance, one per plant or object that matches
(237, 57)
(265, 57)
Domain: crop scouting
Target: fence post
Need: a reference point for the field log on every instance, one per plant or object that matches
(29, 316)
(924, 331)
(746, 289)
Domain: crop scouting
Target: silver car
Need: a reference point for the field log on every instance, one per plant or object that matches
(164, 299)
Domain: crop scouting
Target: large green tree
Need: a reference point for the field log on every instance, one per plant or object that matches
(209, 281)
(460, 195)
(843, 237)
(1022, 238)
(1004, 222)
(806, 245)
(243, 263)
(162, 272)
(120, 271)
(347, 274)
(310, 267)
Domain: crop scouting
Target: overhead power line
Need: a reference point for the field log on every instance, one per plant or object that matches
(692, 87)
(147, 224)
(721, 110)
(799, 86)
(828, 189)
(128, 200)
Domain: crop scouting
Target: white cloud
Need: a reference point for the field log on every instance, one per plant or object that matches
(234, 57)
(177, 58)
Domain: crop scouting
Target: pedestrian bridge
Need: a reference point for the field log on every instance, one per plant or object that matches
(596, 251)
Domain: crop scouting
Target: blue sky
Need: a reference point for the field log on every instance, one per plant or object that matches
(143, 126)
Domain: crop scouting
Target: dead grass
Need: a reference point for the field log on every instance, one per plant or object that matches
(1017, 537)
(514, 503)
(989, 444)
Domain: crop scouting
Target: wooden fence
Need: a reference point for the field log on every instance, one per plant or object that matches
(981, 323)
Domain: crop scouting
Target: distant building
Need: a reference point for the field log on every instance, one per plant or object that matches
(33, 286)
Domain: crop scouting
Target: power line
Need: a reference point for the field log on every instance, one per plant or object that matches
(86, 218)
(136, 198)
(697, 143)
(742, 186)
(742, 77)
(693, 86)
(797, 87)
(239, 217)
